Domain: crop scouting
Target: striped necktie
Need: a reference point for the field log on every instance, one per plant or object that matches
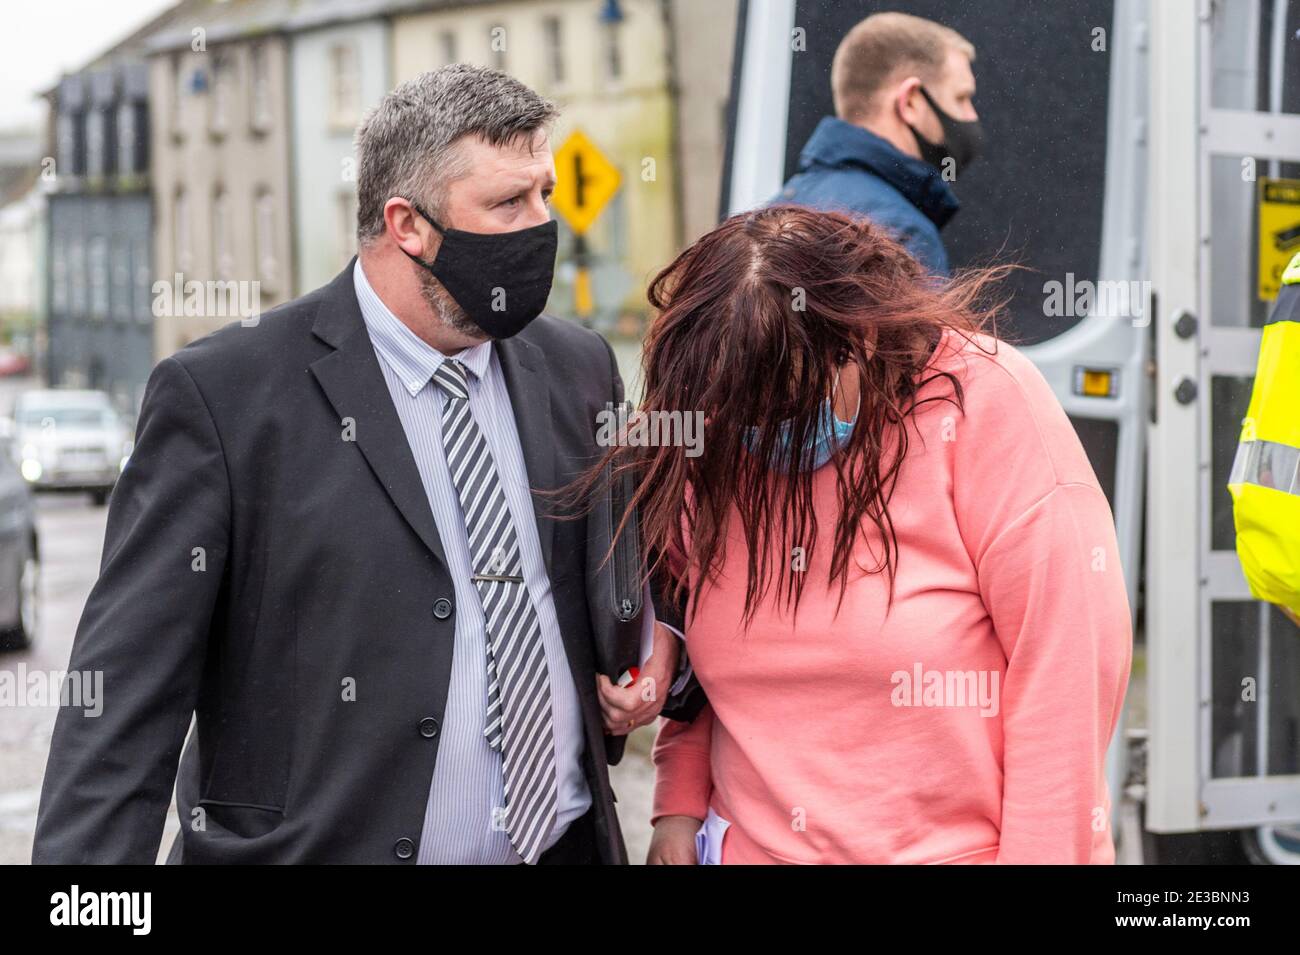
(518, 721)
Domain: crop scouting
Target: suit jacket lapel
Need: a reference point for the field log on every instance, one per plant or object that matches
(354, 384)
(530, 395)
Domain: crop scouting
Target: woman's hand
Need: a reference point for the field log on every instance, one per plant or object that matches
(673, 842)
(624, 708)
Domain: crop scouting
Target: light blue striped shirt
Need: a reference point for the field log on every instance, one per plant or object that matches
(467, 781)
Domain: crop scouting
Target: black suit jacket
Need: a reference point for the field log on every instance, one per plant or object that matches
(286, 587)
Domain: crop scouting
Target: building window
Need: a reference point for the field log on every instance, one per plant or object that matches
(223, 253)
(71, 144)
(345, 81)
(108, 144)
(95, 143)
(143, 284)
(77, 277)
(553, 37)
(264, 234)
(179, 91)
(64, 133)
(447, 47)
(182, 240)
(613, 54)
(223, 78)
(127, 161)
(260, 88)
(347, 226)
(58, 276)
(497, 46)
(98, 252)
(121, 280)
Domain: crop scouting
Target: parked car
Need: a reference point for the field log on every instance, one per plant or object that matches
(19, 559)
(70, 441)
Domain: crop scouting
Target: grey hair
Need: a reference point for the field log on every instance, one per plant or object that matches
(406, 145)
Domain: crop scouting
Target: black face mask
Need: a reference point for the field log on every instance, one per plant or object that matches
(962, 139)
(501, 280)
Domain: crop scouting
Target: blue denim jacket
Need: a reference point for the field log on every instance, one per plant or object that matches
(846, 168)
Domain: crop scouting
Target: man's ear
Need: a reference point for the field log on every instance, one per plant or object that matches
(408, 229)
(908, 101)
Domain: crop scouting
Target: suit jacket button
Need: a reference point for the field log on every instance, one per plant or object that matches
(428, 727)
(442, 608)
(404, 848)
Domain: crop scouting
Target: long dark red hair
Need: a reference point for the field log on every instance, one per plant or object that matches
(754, 320)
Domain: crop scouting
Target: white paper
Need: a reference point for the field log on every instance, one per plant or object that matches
(708, 840)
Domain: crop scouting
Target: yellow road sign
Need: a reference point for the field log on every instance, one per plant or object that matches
(1279, 231)
(585, 181)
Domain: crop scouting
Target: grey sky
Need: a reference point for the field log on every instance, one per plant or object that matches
(43, 38)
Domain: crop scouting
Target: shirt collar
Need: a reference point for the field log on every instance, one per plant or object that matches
(413, 359)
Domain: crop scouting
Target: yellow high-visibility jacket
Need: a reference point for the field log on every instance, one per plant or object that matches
(1265, 480)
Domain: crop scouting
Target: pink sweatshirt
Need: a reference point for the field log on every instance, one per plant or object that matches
(970, 723)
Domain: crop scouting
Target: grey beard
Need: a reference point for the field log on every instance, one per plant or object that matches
(445, 307)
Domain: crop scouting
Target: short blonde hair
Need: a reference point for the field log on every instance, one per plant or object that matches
(883, 46)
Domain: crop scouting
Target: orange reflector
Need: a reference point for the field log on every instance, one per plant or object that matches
(1094, 382)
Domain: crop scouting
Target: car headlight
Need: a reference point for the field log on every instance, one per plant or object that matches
(31, 470)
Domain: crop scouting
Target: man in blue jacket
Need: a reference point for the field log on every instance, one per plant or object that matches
(905, 127)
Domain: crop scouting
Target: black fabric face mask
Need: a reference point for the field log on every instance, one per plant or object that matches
(501, 280)
(962, 139)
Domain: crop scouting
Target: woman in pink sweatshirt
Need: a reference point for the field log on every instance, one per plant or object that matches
(903, 596)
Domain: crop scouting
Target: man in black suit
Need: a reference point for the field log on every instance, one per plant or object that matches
(324, 546)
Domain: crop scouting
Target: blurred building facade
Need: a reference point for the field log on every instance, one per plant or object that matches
(340, 66)
(100, 257)
(22, 262)
(23, 243)
(703, 37)
(219, 83)
(245, 175)
(614, 67)
(99, 324)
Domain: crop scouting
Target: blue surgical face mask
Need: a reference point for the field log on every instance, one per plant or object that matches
(830, 435)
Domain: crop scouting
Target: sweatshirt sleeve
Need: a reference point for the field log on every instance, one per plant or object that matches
(683, 779)
(1055, 592)
(1041, 537)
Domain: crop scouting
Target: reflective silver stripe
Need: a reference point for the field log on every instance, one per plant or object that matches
(1267, 464)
